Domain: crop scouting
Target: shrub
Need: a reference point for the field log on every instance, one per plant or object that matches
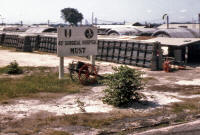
(13, 68)
(123, 86)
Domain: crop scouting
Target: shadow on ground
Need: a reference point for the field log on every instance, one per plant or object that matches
(144, 104)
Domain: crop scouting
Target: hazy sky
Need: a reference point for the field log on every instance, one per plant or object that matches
(39, 11)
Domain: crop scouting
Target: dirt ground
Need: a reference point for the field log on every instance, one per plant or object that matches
(162, 90)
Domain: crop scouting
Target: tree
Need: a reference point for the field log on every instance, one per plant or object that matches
(123, 86)
(71, 15)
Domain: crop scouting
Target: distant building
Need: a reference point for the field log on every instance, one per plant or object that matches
(190, 26)
(137, 24)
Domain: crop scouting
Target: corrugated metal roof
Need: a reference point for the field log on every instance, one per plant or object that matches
(127, 29)
(15, 29)
(162, 40)
(39, 30)
(191, 26)
(177, 33)
(124, 31)
(174, 41)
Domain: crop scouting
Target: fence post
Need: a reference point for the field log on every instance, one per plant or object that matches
(27, 44)
(186, 54)
(37, 43)
(2, 39)
(157, 61)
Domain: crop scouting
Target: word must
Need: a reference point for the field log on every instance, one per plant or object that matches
(77, 50)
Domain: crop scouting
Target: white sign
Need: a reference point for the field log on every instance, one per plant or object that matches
(77, 41)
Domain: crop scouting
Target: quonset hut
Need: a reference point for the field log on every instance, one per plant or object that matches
(40, 30)
(181, 43)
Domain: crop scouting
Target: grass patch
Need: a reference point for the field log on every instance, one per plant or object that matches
(2, 70)
(28, 69)
(185, 90)
(189, 105)
(96, 120)
(37, 81)
(7, 48)
(43, 123)
(181, 107)
(90, 120)
(87, 120)
(147, 79)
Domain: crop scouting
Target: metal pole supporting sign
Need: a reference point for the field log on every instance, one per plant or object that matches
(92, 59)
(61, 68)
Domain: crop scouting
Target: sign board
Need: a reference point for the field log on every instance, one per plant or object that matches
(77, 41)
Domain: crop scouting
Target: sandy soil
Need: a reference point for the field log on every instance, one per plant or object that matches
(193, 82)
(66, 105)
(91, 101)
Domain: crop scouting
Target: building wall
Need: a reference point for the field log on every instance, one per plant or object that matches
(194, 53)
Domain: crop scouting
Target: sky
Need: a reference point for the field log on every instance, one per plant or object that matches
(40, 11)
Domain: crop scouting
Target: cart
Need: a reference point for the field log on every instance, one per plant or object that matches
(170, 64)
(85, 73)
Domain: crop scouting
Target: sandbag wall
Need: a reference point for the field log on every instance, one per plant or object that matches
(124, 52)
(1, 38)
(9, 40)
(32, 42)
(24, 44)
(48, 44)
(130, 53)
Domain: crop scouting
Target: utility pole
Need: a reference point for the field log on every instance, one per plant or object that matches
(92, 18)
(2, 20)
(48, 22)
(21, 23)
(166, 15)
(167, 22)
(95, 21)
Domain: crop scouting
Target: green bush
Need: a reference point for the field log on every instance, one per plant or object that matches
(123, 86)
(13, 68)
